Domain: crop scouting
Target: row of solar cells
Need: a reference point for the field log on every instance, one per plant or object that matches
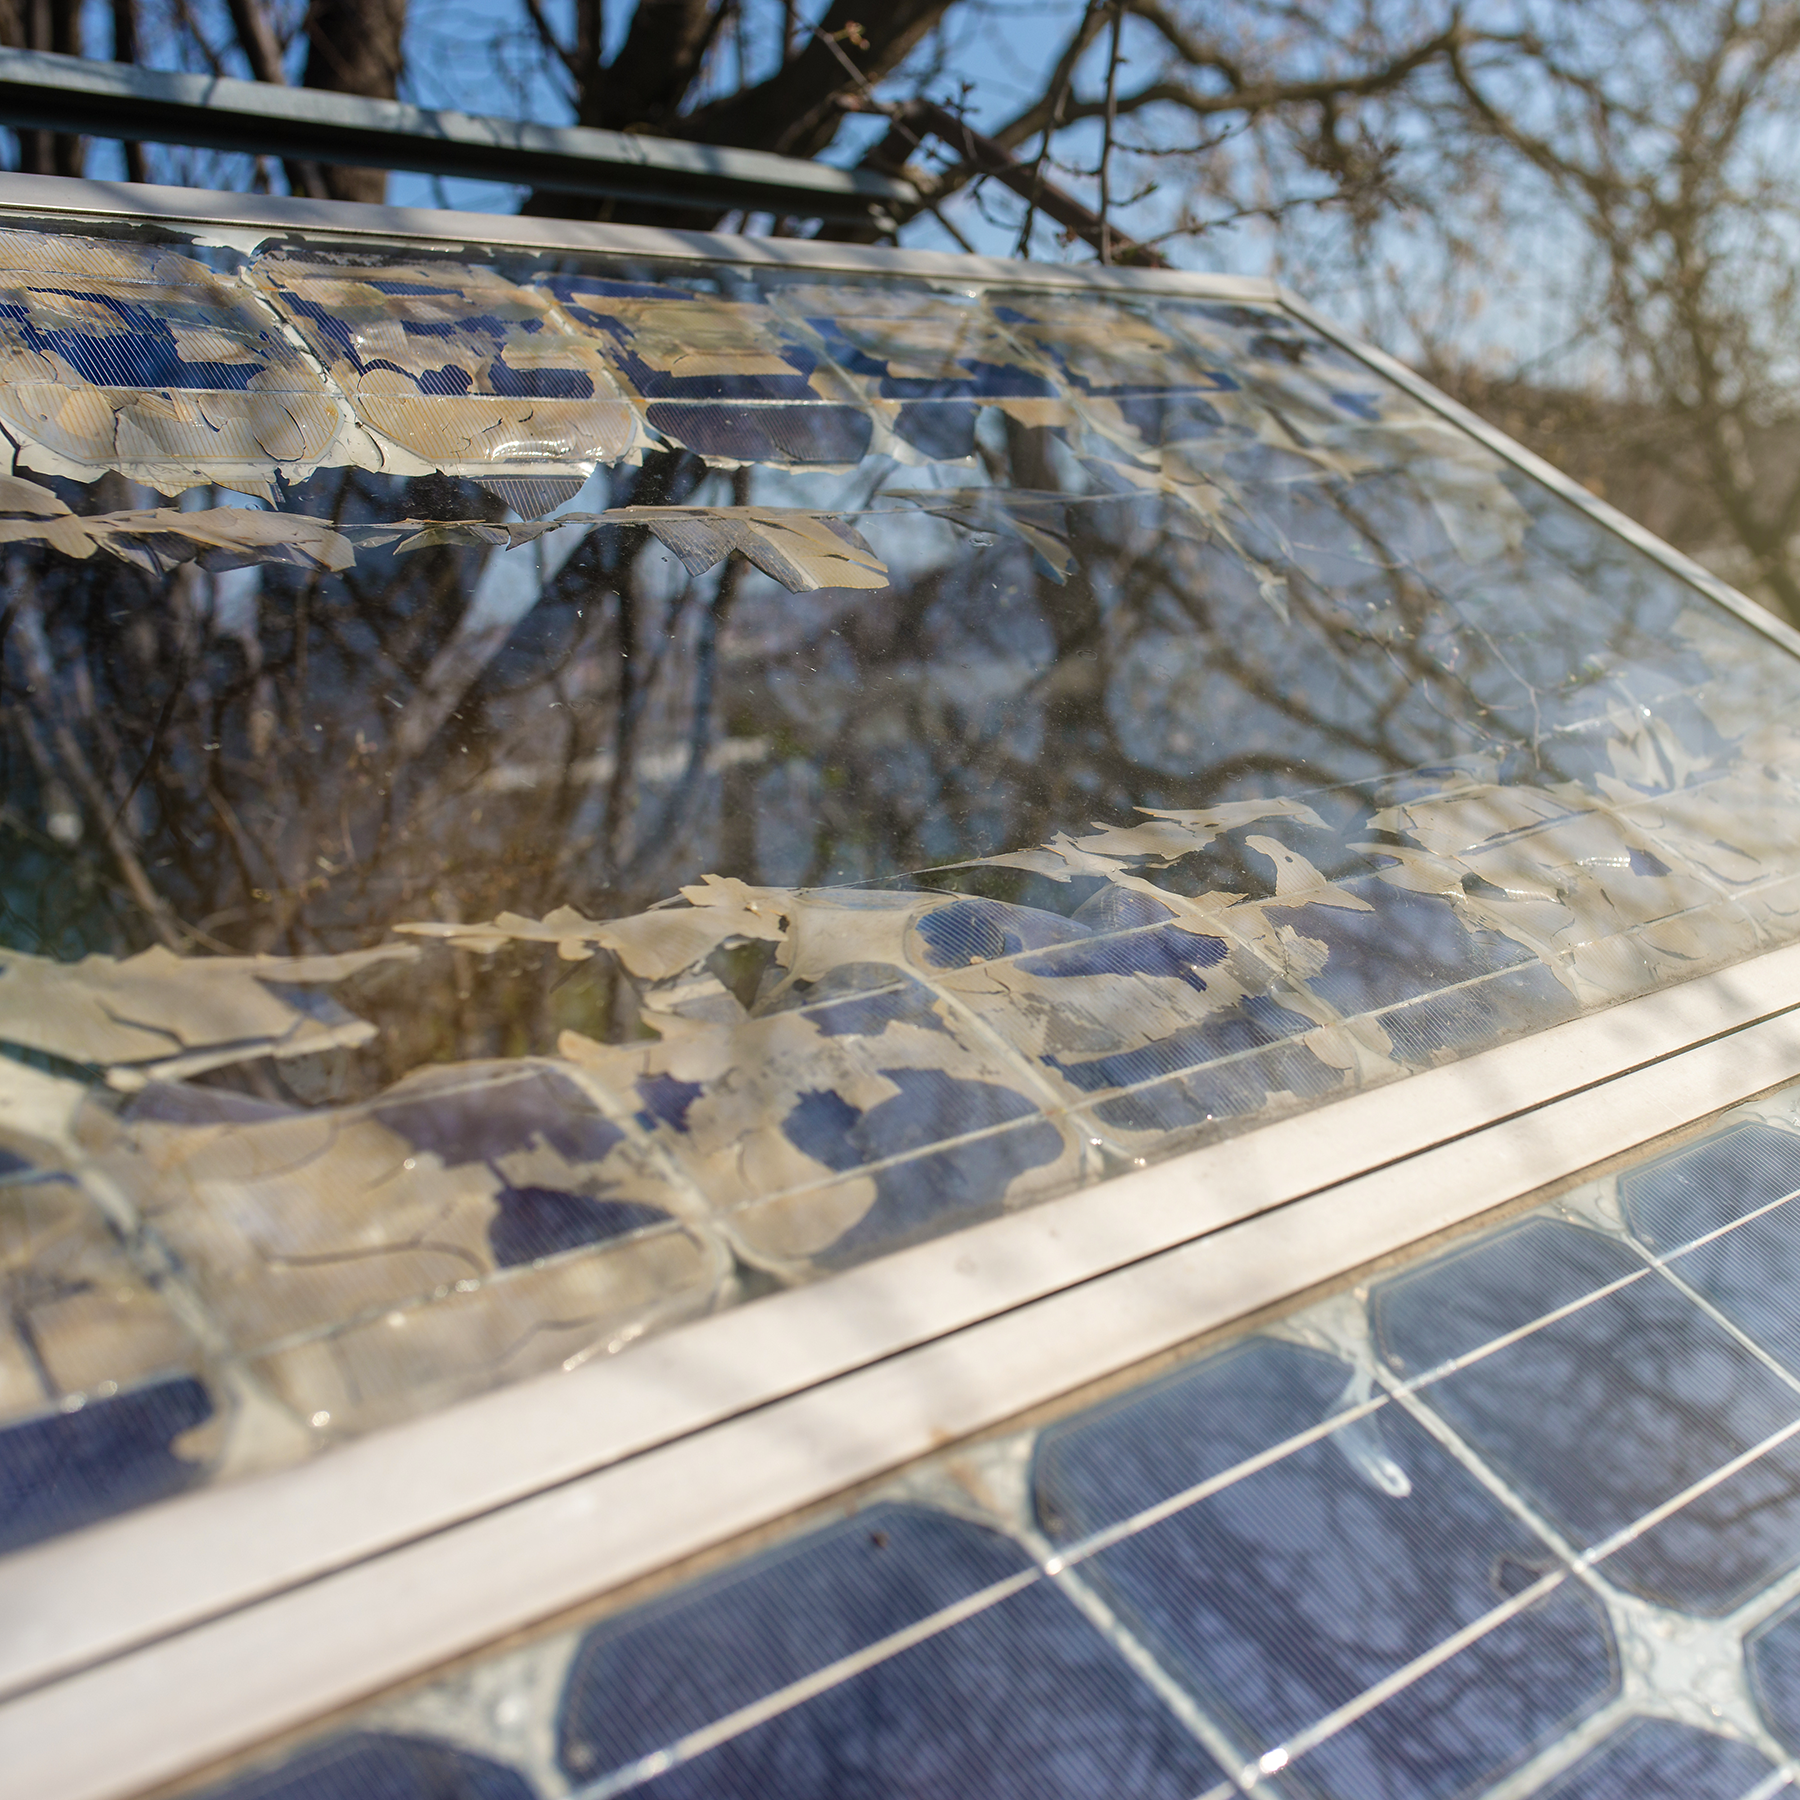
(1269, 1563)
(115, 1452)
(900, 1754)
(91, 1322)
(781, 368)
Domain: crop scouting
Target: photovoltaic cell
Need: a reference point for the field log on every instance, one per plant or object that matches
(67, 1469)
(1773, 1653)
(1723, 1217)
(372, 1766)
(1021, 1698)
(1603, 1414)
(1292, 1592)
(1657, 1757)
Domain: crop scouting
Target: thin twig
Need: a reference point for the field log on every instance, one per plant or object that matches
(875, 104)
(550, 40)
(1065, 79)
(1106, 142)
(39, 672)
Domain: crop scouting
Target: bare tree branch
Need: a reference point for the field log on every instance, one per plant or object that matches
(1106, 143)
(1062, 81)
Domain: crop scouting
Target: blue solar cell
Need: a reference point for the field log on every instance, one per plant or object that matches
(1711, 1184)
(907, 1002)
(968, 931)
(1475, 1014)
(1172, 952)
(933, 1190)
(943, 429)
(1216, 1089)
(142, 351)
(1611, 1410)
(72, 1468)
(1404, 946)
(1772, 1654)
(367, 1765)
(1253, 1024)
(812, 432)
(1286, 1594)
(533, 1222)
(1024, 1700)
(462, 1119)
(1751, 1272)
(1502, 1282)
(1656, 1759)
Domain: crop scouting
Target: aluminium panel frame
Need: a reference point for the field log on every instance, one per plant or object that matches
(144, 1648)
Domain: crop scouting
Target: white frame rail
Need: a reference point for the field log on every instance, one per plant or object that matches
(146, 1648)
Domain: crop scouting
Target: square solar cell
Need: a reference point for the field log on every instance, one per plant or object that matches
(1287, 1593)
(831, 1669)
(447, 364)
(1772, 1665)
(1730, 1199)
(726, 376)
(367, 1765)
(151, 362)
(470, 1225)
(927, 361)
(1651, 1756)
(1639, 1426)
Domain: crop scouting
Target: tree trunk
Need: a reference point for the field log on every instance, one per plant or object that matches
(354, 47)
(45, 25)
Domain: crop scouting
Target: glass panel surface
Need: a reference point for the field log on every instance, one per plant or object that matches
(1512, 1518)
(547, 794)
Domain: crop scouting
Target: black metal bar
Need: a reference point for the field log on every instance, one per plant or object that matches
(42, 92)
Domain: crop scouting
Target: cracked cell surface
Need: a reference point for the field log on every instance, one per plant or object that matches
(472, 370)
(547, 795)
(1301, 1561)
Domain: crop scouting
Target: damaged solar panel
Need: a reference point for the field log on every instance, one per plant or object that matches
(549, 793)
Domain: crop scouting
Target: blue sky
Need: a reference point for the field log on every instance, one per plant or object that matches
(458, 57)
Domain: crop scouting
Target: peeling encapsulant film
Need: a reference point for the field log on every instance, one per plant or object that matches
(469, 371)
(140, 360)
(1513, 1518)
(548, 795)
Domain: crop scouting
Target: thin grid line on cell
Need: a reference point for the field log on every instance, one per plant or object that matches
(1772, 1783)
(1279, 1756)
(1719, 1231)
(808, 1687)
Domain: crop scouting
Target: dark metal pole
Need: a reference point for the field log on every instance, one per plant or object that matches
(43, 92)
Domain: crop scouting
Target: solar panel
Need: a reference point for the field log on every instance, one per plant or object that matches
(561, 790)
(1514, 1518)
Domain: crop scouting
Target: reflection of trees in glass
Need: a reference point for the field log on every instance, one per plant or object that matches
(277, 759)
